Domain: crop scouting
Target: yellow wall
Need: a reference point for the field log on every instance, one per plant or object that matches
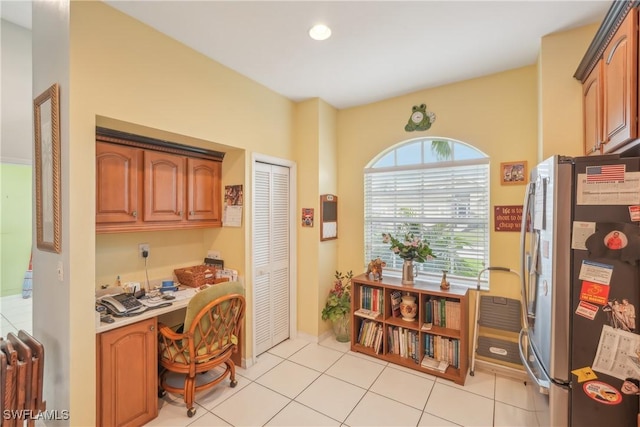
(560, 109)
(496, 114)
(316, 151)
(306, 153)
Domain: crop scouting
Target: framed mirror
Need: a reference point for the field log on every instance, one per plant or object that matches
(328, 217)
(46, 108)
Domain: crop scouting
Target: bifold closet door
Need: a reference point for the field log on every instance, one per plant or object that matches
(271, 229)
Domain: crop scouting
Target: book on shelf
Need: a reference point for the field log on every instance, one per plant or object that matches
(443, 312)
(426, 326)
(367, 314)
(396, 299)
(436, 365)
(371, 298)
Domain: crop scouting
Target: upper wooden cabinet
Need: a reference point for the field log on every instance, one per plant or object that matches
(163, 186)
(592, 111)
(142, 188)
(118, 175)
(620, 81)
(609, 76)
(203, 190)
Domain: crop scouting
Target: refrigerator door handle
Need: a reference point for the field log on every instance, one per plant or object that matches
(542, 380)
(533, 278)
(523, 258)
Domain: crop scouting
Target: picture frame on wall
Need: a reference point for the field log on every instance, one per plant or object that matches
(46, 110)
(513, 173)
(328, 217)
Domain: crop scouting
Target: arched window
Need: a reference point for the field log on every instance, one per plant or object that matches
(435, 188)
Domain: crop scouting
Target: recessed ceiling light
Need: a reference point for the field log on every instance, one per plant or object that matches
(320, 32)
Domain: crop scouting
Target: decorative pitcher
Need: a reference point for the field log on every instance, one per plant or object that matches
(409, 272)
(408, 308)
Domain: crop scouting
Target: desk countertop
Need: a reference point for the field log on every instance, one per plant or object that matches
(183, 296)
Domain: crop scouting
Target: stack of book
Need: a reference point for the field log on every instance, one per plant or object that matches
(442, 348)
(403, 342)
(370, 335)
(372, 298)
(433, 364)
(443, 312)
(367, 314)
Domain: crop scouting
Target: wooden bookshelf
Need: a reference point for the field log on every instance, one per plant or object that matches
(447, 339)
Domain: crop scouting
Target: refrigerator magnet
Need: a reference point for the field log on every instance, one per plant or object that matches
(581, 231)
(630, 386)
(602, 392)
(584, 374)
(634, 213)
(594, 293)
(587, 310)
(596, 272)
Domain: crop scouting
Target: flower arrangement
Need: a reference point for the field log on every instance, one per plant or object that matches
(412, 248)
(339, 301)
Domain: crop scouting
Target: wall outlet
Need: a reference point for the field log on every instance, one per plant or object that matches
(213, 254)
(142, 248)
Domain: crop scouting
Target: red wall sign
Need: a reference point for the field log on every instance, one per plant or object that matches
(507, 218)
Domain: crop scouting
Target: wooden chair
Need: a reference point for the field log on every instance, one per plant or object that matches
(210, 336)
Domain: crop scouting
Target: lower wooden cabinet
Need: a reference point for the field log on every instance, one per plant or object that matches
(127, 375)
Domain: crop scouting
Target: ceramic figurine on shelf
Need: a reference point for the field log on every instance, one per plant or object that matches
(444, 284)
(375, 268)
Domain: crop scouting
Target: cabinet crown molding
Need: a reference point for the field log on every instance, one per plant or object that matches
(612, 20)
(148, 143)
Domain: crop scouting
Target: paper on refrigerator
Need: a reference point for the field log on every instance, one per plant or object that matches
(616, 353)
(609, 193)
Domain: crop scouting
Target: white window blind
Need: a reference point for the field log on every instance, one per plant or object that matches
(443, 200)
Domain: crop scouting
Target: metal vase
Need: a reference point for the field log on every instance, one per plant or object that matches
(409, 272)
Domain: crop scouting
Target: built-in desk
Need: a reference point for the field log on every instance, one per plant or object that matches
(183, 296)
(127, 365)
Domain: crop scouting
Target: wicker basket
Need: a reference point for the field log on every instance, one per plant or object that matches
(196, 276)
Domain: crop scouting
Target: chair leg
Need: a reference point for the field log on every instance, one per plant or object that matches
(232, 375)
(161, 391)
(189, 392)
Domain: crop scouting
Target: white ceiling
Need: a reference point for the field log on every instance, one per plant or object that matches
(379, 49)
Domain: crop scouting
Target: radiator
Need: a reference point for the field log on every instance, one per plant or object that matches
(21, 378)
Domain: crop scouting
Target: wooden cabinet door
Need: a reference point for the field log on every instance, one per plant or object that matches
(117, 176)
(620, 85)
(163, 186)
(592, 111)
(203, 190)
(128, 375)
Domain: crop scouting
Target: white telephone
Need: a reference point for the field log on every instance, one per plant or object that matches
(121, 304)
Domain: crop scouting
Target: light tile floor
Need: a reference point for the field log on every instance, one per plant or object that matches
(298, 383)
(15, 314)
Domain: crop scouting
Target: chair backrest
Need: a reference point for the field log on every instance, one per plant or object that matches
(214, 317)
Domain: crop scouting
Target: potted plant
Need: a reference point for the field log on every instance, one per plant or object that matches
(338, 306)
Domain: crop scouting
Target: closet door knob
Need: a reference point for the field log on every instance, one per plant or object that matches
(134, 214)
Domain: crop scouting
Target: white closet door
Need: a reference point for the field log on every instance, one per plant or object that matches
(271, 255)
